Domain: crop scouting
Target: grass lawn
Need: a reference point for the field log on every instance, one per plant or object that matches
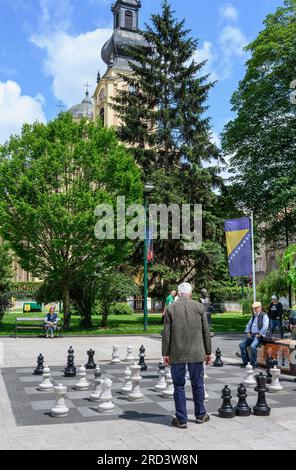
(125, 324)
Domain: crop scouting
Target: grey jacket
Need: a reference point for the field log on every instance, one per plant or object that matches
(186, 334)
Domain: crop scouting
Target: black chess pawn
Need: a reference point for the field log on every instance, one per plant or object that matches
(261, 408)
(40, 366)
(269, 365)
(91, 363)
(142, 359)
(242, 408)
(218, 361)
(226, 410)
(70, 369)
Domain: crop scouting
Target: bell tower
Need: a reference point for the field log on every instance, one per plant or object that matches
(126, 14)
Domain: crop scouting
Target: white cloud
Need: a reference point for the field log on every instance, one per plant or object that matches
(72, 61)
(17, 109)
(206, 52)
(229, 12)
(232, 42)
(55, 15)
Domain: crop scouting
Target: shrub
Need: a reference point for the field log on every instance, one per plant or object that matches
(121, 308)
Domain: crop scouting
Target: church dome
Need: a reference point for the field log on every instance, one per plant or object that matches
(83, 109)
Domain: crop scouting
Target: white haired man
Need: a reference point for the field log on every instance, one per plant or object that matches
(256, 331)
(186, 340)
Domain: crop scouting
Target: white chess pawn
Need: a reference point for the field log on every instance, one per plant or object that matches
(130, 355)
(106, 405)
(127, 386)
(161, 384)
(83, 384)
(60, 410)
(96, 393)
(169, 391)
(46, 385)
(249, 380)
(115, 355)
(136, 394)
(275, 385)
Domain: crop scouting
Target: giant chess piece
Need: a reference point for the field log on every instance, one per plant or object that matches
(242, 408)
(218, 361)
(115, 355)
(130, 355)
(261, 408)
(127, 386)
(135, 394)
(168, 392)
(275, 385)
(82, 384)
(96, 393)
(90, 363)
(46, 385)
(161, 384)
(250, 379)
(142, 359)
(106, 405)
(269, 365)
(70, 369)
(60, 410)
(40, 367)
(226, 410)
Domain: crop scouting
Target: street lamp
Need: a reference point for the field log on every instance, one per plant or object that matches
(148, 188)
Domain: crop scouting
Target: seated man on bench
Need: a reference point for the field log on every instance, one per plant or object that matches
(51, 322)
(256, 331)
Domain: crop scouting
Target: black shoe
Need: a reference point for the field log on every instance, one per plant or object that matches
(243, 366)
(202, 419)
(178, 424)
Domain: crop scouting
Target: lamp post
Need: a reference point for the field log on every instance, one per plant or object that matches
(148, 188)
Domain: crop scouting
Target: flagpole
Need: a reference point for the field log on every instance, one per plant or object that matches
(253, 258)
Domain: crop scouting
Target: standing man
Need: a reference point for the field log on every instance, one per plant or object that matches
(186, 339)
(256, 330)
(206, 301)
(169, 300)
(275, 313)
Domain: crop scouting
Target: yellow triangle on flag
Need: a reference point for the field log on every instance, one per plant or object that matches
(234, 238)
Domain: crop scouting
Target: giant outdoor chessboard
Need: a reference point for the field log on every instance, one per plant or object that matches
(32, 407)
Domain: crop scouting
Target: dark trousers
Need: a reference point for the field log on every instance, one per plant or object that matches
(248, 349)
(274, 324)
(196, 373)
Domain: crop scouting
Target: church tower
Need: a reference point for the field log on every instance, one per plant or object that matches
(115, 56)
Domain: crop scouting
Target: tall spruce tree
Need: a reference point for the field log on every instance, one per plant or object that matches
(162, 113)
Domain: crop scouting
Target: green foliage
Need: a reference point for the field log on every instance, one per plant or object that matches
(288, 265)
(246, 304)
(261, 138)
(25, 290)
(52, 177)
(226, 293)
(121, 308)
(5, 279)
(275, 283)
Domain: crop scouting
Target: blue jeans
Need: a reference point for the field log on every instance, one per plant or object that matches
(50, 329)
(274, 324)
(252, 343)
(196, 373)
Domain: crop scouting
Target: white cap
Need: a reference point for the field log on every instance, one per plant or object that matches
(184, 288)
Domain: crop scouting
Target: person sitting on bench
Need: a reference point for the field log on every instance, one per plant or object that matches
(256, 330)
(51, 322)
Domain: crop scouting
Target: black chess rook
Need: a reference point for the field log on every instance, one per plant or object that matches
(90, 363)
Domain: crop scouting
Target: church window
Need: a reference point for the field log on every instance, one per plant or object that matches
(102, 116)
(117, 20)
(129, 19)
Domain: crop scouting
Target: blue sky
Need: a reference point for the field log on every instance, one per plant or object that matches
(50, 48)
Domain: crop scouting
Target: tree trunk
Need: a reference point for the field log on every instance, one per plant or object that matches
(66, 306)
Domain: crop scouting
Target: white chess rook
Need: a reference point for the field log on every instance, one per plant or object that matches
(106, 405)
(96, 393)
(46, 385)
(60, 410)
(83, 384)
(130, 355)
(169, 391)
(136, 394)
(161, 384)
(249, 379)
(275, 385)
(128, 385)
(115, 355)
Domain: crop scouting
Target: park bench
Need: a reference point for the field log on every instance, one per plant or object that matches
(282, 350)
(33, 323)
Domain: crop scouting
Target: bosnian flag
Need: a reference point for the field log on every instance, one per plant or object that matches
(239, 246)
(150, 245)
